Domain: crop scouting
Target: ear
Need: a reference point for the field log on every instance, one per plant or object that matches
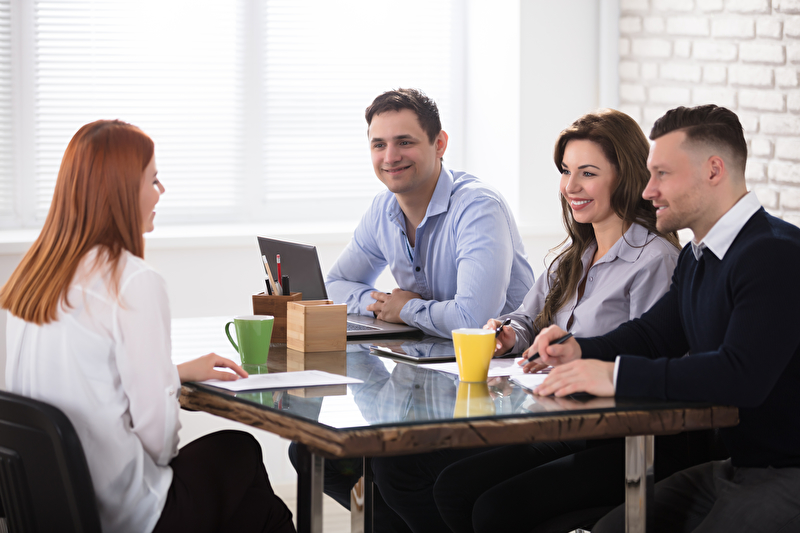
(441, 144)
(715, 170)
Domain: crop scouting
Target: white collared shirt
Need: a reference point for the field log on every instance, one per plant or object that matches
(720, 236)
(105, 362)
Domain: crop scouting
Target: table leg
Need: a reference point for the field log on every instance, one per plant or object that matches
(638, 483)
(310, 478)
(361, 502)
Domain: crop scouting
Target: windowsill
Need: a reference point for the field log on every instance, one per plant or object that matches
(13, 242)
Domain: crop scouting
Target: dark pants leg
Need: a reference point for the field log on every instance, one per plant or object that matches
(463, 484)
(220, 484)
(340, 477)
(717, 497)
(407, 481)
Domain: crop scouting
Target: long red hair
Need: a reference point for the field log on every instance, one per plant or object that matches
(95, 202)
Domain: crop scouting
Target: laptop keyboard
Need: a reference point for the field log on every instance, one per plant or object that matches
(352, 326)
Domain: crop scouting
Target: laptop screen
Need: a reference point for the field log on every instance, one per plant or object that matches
(298, 261)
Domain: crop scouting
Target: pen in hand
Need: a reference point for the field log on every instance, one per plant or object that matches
(499, 328)
(559, 340)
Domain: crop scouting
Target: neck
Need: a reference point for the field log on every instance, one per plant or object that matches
(607, 233)
(714, 213)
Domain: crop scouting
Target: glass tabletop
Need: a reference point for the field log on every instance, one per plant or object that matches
(392, 393)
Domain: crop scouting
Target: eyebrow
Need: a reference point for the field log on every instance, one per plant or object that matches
(580, 167)
(396, 138)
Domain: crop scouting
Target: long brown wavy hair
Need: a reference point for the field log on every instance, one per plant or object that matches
(624, 145)
(95, 202)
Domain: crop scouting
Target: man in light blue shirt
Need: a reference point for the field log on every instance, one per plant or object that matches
(449, 239)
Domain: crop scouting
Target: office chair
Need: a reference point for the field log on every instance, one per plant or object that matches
(44, 479)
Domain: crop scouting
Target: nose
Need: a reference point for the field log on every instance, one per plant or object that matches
(650, 192)
(571, 186)
(392, 154)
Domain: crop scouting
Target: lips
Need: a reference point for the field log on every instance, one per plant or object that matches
(396, 170)
(578, 204)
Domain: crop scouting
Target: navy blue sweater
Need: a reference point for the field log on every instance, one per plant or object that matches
(739, 322)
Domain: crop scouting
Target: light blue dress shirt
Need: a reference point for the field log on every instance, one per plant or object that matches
(620, 286)
(468, 264)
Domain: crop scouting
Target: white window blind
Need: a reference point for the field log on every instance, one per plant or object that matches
(256, 108)
(324, 64)
(171, 68)
(7, 188)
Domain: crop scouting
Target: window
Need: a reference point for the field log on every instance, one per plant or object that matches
(256, 108)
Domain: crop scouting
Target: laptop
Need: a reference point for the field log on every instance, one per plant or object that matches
(301, 263)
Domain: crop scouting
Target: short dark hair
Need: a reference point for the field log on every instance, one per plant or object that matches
(706, 124)
(413, 99)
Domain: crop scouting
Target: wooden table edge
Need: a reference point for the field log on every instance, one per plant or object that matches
(418, 438)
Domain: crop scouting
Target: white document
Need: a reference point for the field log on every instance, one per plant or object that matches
(283, 380)
(529, 381)
(498, 368)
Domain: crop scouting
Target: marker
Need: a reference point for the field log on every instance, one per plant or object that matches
(285, 286)
(499, 328)
(559, 340)
(270, 286)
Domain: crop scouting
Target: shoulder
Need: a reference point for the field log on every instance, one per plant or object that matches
(658, 247)
(136, 275)
(470, 193)
(765, 236)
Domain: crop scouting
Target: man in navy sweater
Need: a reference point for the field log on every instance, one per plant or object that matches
(727, 332)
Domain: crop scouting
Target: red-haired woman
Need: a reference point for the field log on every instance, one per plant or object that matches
(89, 332)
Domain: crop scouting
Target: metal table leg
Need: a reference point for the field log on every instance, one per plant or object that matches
(361, 502)
(638, 483)
(310, 477)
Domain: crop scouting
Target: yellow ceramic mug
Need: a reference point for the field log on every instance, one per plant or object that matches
(474, 350)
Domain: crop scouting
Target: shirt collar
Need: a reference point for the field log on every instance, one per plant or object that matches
(723, 233)
(628, 248)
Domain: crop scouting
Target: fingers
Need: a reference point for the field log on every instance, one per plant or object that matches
(492, 323)
(380, 296)
(220, 361)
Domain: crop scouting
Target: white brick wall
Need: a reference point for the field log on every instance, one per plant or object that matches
(743, 54)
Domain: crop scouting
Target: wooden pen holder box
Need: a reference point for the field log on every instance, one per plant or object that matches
(316, 326)
(265, 304)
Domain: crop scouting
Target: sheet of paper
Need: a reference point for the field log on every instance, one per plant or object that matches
(497, 367)
(529, 381)
(283, 380)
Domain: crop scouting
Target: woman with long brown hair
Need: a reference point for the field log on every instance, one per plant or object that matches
(89, 332)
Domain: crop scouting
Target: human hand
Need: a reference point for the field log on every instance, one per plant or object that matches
(202, 368)
(584, 375)
(505, 340)
(387, 307)
(551, 354)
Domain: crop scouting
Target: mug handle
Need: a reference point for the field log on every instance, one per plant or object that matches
(228, 333)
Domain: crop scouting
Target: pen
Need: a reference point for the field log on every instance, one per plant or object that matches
(559, 340)
(499, 328)
(271, 286)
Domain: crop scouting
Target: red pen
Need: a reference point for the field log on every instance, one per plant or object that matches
(278, 261)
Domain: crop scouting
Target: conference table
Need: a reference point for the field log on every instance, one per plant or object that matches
(401, 408)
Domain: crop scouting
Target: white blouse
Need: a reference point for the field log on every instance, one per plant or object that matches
(106, 363)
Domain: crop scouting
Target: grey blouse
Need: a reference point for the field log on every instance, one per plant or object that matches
(622, 285)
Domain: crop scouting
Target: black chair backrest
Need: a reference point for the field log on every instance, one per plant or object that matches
(44, 479)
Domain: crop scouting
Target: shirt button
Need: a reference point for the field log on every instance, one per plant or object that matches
(417, 269)
(171, 391)
(591, 279)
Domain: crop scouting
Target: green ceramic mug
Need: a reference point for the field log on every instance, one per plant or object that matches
(253, 333)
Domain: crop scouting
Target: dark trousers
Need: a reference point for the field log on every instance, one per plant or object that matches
(718, 497)
(406, 483)
(340, 477)
(220, 484)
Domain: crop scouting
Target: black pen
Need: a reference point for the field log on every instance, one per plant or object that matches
(499, 328)
(560, 340)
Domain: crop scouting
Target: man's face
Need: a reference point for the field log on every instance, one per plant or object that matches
(402, 156)
(676, 186)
